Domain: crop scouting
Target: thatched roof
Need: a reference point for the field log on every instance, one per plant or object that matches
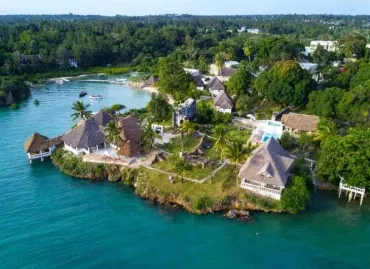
(216, 85)
(130, 135)
(37, 143)
(227, 72)
(223, 100)
(300, 122)
(102, 118)
(87, 134)
(130, 129)
(269, 164)
(151, 81)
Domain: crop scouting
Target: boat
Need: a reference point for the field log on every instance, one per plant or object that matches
(121, 80)
(82, 94)
(59, 81)
(65, 80)
(95, 96)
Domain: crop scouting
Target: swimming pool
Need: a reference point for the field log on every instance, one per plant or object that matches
(267, 136)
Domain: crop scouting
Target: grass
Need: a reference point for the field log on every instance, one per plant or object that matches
(264, 112)
(196, 172)
(174, 147)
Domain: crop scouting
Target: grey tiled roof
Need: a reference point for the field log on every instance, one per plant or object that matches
(269, 164)
(223, 100)
(216, 85)
(198, 81)
(102, 118)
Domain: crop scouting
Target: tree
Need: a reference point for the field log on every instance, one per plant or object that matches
(325, 103)
(188, 127)
(247, 49)
(148, 135)
(285, 83)
(325, 129)
(117, 108)
(220, 61)
(173, 79)
(204, 113)
(181, 166)
(355, 105)
(239, 82)
(287, 141)
(112, 133)
(158, 108)
(220, 133)
(346, 156)
(80, 111)
(353, 45)
(236, 151)
(296, 196)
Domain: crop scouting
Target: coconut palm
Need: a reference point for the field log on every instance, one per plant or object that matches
(325, 129)
(188, 127)
(220, 134)
(148, 134)
(80, 111)
(247, 49)
(112, 133)
(230, 54)
(220, 61)
(181, 166)
(236, 151)
(116, 108)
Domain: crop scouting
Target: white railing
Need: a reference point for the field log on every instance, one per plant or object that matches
(75, 151)
(346, 187)
(261, 188)
(39, 155)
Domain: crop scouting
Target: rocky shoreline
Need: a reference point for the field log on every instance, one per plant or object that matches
(138, 179)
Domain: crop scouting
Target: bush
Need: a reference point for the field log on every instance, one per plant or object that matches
(296, 196)
(287, 141)
(203, 203)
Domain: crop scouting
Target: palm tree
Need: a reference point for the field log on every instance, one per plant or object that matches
(325, 129)
(236, 151)
(112, 133)
(148, 134)
(188, 127)
(181, 166)
(230, 54)
(247, 50)
(80, 111)
(117, 108)
(220, 133)
(220, 61)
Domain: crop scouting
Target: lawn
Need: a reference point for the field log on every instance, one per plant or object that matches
(264, 112)
(196, 172)
(174, 147)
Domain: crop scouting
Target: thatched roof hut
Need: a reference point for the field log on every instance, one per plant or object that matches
(38, 142)
(300, 122)
(130, 134)
(224, 101)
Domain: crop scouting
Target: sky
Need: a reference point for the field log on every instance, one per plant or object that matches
(196, 7)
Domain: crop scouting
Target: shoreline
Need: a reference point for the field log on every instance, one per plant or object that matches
(141, 180)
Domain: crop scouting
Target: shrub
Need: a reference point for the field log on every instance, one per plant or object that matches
(202, 203)
(296, 196)
(287, 141)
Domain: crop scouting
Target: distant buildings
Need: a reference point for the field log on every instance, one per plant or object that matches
(226, 72)
(331, 46)
(193, 72)
(253, 31)
(267, 171)
(310, 67)
(198, 81)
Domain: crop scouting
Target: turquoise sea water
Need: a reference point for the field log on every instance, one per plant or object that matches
(50, 220)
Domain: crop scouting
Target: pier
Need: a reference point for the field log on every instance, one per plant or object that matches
(351, 191)
(40, 147)
(103, 81)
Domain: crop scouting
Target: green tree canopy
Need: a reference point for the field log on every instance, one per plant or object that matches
(285, 83)
(346, 156)
(158, 108)
(296, 196)
(325, 103)
(353, 45)
(239, 82)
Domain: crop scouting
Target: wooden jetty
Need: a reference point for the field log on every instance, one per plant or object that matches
(103, 81)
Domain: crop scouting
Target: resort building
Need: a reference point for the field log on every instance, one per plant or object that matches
(296, 123)
(225, 73)
(267, 171)
(215, 86)
(254, 31)
(266, 130)
(231, 64)
(198, 81)
(186, 111)
(88, 136)
(223, 103)
(130, 135)
(327, 45)
(40, 147)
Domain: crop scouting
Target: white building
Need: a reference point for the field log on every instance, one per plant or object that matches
(310, 67)
(193, 72)
(327, 45)
(267, 171)
(253, 31)
(223, 103)
(231, 64)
